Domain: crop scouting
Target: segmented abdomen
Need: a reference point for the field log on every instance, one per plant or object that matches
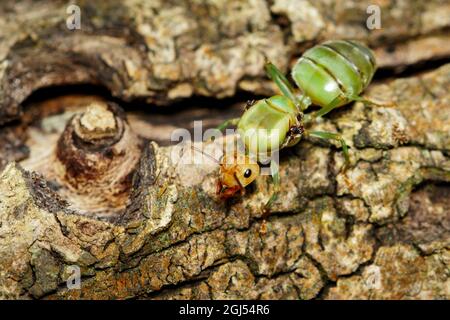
(334, 69)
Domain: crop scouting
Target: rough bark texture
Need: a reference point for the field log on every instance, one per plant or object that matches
(159, 51)
(380, 230)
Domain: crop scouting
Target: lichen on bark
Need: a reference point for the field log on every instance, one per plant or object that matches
(161, 51)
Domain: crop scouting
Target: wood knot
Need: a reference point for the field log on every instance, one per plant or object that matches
(96, 123)
(97, 155)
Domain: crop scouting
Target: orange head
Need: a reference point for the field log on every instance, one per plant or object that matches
(236, 172)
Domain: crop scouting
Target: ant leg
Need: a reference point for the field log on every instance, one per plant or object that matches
(333, 136)
(275, 172)
(370, 101)
(333, 104)
(324, 110)
(227, 123)
(282, 83)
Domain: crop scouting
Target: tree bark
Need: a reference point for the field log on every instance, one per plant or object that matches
(380, 230)
(161, 51)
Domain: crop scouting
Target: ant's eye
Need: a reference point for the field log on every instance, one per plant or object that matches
(247, 173)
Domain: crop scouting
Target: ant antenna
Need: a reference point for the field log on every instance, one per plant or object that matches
(181, 156)
(204, 153)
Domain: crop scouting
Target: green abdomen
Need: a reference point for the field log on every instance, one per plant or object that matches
(334, 69)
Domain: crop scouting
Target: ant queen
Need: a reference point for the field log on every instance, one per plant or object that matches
(328, 75)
